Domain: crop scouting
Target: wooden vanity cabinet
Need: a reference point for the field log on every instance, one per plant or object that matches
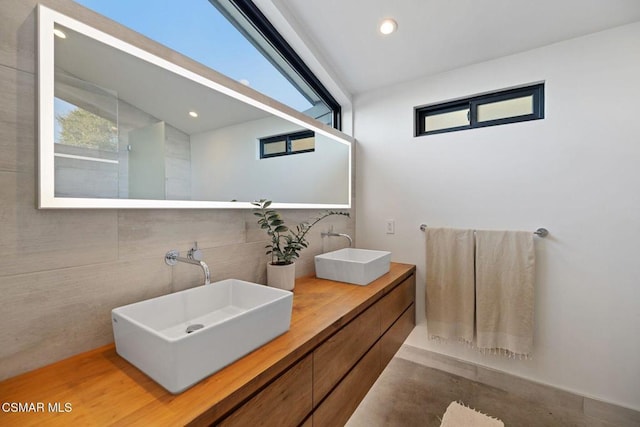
(343, 400)
(395, 302)
(396, 319)
(395, 336)
(341, 338)
(326, 386)
(337, 355)
(286, 402)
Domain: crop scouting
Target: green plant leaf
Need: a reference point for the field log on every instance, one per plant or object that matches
(286, 243)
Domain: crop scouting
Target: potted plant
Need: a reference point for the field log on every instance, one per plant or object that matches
(286, 243)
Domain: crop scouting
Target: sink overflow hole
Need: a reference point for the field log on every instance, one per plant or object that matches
(192, 328)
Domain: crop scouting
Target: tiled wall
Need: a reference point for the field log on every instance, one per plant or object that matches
(62, 271)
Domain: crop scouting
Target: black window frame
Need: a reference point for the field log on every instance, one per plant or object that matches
(260, 22)
(472, 103)
(287, 138)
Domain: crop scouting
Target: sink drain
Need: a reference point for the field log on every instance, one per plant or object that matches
(192, 328)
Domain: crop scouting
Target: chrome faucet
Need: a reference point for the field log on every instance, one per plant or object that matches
(331, 233)
(194, 256)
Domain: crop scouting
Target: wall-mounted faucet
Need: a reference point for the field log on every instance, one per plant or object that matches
(331, 233)
(194, 256)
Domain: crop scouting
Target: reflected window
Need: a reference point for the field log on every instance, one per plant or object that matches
(78, 127)
(86, 138)
(234, 38)
(497, 108)
(291, 143)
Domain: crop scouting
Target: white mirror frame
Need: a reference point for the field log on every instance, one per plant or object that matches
(47, 200)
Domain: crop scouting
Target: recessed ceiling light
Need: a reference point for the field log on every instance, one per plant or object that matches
(388, 26)
(58, 32)
(193, 114)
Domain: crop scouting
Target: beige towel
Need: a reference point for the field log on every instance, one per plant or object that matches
(450, 289)
(505, 263)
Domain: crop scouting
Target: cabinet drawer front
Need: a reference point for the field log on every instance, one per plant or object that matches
(285, 402)
(344, 399)
(394, 304)
(397, 333)
(335, 357)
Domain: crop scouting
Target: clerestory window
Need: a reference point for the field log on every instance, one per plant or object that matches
(496, 108)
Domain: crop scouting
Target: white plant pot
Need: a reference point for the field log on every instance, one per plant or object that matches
(281, 276)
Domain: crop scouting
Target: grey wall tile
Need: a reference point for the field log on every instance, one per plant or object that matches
(51, 315)
(36, 240)
(178, 189)
(17, 120)
(178, 144)
(249, 269)
(19, 28)
(154, 232)
(18, 34)
(243, 261)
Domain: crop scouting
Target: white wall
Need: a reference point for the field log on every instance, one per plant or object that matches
(577, 173)
(225, 165)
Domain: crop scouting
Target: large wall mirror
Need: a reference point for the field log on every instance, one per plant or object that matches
(122, 128)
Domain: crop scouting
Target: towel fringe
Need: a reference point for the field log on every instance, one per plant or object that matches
(440, 340)
(499, 352)
(503, 352)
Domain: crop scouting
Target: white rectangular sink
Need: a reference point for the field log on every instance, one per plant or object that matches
(181, 338)
(356, 266)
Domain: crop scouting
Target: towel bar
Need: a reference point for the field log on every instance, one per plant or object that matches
(540, 232)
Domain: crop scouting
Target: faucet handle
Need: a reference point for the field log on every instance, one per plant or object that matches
(195, 253)
(171, 257)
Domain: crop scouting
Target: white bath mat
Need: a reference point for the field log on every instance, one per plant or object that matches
(458, 415)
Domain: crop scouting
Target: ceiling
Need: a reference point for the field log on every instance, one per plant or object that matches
(438, 35)
(158, 92)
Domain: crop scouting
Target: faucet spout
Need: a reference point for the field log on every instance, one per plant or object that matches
(207, 273)
(331, 233)
(347, 236)
(173, 257)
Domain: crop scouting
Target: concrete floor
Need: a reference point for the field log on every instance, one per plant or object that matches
(410, 394)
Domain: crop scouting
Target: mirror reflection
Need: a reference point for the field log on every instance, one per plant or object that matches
(125, 128)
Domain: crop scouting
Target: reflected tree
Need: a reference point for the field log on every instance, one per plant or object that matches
(82, 128)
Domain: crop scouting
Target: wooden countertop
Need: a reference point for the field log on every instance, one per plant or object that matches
(100, 388)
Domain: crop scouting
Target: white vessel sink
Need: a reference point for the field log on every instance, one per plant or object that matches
(181, 338)
(356, 266)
